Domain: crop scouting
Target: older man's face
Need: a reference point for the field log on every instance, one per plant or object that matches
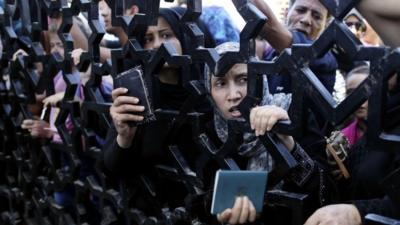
(307, 16)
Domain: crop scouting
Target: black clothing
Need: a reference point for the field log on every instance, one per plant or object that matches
(383, 206)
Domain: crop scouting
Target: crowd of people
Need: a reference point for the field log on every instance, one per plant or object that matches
(130, 149)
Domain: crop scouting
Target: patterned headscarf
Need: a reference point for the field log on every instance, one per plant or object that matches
(252, 148)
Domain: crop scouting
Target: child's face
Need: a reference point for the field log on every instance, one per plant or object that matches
(56, 44)
(228, 91)
(351, 84)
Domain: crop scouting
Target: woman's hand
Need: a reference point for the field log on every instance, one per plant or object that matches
(37, 128)
(123, 110)
(76, 55)
(335, 214)
(263, 118)
(17, 53)
(52, 100)
(243, 211)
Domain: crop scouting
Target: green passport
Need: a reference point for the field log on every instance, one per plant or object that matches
(231, 183)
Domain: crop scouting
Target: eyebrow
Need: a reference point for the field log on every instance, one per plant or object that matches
(165, 29)
(161, 30)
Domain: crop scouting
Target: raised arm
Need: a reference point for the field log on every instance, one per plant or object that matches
(384, 17)
(277, 35)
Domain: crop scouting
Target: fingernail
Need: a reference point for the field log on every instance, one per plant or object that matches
(125, 90)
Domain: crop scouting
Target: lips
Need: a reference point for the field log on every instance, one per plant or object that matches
(303, 30)
(233, 108)
(235, 111)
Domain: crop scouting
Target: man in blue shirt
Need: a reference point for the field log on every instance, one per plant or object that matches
(305, 21)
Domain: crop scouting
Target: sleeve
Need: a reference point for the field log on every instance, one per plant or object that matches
(384, 207)
(312, 174)
(115, 158)
(305, 169)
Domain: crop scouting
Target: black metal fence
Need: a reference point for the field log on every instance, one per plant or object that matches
(32, 172)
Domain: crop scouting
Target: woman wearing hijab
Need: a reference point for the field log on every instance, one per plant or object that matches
(133, 151)
(226, 93)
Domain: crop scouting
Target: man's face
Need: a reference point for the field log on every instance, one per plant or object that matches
(307, 16)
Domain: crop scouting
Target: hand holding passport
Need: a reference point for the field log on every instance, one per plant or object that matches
(237, 191)
(133, 81)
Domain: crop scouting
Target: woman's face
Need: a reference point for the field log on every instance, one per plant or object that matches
(351, 84)
(356, 26)
(228, 91)
(162, 33)
(105, 12)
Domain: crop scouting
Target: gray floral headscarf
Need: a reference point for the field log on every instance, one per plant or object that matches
(252, 148)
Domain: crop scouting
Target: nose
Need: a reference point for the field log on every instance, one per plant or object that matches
(234, 94)
(156, 42)
(365, 105)
(103, 12)
(55, 49)
(306, 18)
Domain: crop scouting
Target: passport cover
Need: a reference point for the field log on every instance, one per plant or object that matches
(132, 79)
(231, 183)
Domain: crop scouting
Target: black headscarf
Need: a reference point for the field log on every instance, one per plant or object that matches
(172, 96)
(172, 18)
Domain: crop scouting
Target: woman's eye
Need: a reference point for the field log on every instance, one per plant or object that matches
(219, 83)
(148, 40)
(242, 80)
(166, 36)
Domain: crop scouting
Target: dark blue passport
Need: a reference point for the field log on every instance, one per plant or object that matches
(231, 183)
(133, 80)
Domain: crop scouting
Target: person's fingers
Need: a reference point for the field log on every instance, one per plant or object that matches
(263, 125)
(27, 124)
(28, 121)
(118, 92)
(34, 133)
(244, 213)
(258, 121)
(224, 216)
(121, 120)
(125, 100)
(271, 122)
(237, 208)
(19, 52)
(252, 116)
(252, 212)
(130, 117)
(127, 108)
(76, 60)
